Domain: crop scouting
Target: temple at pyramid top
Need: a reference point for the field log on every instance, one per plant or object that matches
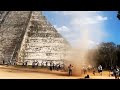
(28, 36)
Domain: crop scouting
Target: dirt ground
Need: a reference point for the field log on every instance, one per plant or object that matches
(9, 72)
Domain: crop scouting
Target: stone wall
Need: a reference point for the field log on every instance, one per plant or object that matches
(43, 42)
(28, 36)
(13, 28)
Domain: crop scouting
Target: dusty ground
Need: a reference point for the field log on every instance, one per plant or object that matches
(9, 72)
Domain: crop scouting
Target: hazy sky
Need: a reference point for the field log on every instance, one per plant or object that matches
(94, 26)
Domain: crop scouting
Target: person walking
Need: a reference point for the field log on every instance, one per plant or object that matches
(100, 69)
(117, 72)
(70, 69)
(51, 65)
(94, 71)
(3, 62)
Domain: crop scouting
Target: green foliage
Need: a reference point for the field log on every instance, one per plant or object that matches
(107, 54)
(118, 15)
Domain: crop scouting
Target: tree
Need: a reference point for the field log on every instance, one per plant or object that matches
(118, 55)
(118, 15)
(107, 54)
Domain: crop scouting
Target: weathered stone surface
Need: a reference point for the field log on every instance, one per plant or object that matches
(28, 36)
(12, 30)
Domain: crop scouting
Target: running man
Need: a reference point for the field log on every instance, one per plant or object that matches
(100, 69)
(70, 69)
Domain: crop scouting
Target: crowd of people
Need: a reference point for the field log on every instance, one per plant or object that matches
(113, 71)
(50, 65)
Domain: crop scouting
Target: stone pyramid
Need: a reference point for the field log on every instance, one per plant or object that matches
(28, 36)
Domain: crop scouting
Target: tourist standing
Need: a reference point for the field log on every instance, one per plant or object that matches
(100, 69)
(117, 72)
(26, 63)
(37, 63)
(93, 70)
(33, 64)
(46, 64)
(3, 62)
(51, 66)
(70, 69)
(42, 64)
(84, 70)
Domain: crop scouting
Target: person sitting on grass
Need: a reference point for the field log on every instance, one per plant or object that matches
(87, 76)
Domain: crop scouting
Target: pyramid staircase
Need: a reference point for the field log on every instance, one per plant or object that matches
(28, 36)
